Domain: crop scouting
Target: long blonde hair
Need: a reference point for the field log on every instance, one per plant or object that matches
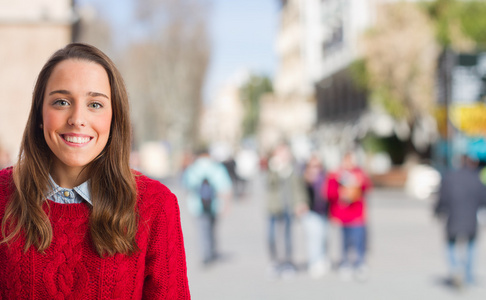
(113, 218)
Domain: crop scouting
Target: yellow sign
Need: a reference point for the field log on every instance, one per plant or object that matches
(470, 118)
(441, 118)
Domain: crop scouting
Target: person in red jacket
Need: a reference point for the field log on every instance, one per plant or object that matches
(345, 190)
(76, 221)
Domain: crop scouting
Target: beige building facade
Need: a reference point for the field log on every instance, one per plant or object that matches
(289, 112)
(30, 31)
(221, 121)
(316, 40)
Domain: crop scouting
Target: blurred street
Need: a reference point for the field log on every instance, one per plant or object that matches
(406, 257)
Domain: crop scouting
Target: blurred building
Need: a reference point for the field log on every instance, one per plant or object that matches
(340, 103)
(317, 41)
(221, 121)
(290, 111)
(30, 31)
(315, 94)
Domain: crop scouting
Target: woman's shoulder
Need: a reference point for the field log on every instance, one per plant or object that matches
(152, 192)
(6, 172)
(148, 185)
(5, 178)
(5, 184)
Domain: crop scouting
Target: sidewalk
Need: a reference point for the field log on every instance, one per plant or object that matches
(406, 257)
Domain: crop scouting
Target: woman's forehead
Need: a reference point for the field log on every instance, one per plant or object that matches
(73, 75)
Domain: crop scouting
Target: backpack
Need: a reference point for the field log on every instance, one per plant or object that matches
(207, 195)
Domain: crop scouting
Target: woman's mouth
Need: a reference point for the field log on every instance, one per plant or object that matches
(76, 139)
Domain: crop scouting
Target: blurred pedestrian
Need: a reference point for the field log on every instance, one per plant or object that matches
(314, 217)
(346, 190)
(77, 222)
(284, 191)
(461, 195)
(230, 165)
(209, 187)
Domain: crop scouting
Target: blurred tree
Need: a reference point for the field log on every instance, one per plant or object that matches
(251, 92)
(473, 22)
(165, 70)
(459, 25)
(401, 52)
(400, 55)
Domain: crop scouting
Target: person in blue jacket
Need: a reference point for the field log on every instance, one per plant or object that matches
(209, 191)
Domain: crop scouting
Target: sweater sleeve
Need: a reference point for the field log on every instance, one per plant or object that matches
(165, 266)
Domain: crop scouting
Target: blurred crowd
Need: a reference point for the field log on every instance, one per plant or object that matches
(295, 190)
(316, 197)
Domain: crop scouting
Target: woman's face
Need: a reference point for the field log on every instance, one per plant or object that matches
(76, 113)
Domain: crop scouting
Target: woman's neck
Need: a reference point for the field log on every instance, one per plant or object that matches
(68, 177)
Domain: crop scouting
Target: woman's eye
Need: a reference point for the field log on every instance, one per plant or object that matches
(96, 105)
(61, 102)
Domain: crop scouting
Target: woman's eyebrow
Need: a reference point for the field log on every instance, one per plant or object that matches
(91, 94)
(97, 94)
(63, 92)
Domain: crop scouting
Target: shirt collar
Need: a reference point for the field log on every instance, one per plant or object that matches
(82, 190)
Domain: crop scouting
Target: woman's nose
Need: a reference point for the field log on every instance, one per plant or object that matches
(77, 117)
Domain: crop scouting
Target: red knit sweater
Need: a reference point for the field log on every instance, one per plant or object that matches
(348, 214)
(71, 269)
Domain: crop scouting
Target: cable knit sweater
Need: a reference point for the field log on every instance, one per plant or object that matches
(71, 269)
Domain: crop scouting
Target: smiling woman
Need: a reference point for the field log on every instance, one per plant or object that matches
(76, 118)
(76, 222)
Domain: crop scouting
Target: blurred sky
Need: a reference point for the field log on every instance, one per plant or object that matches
(242, 32)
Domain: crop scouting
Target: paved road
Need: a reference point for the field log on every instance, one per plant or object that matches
(406, 258)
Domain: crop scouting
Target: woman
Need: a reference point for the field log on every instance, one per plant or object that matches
(346, 190)
(77, 223)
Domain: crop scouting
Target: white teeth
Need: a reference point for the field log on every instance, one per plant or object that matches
(77, 139)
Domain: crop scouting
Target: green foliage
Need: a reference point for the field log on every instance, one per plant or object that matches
(469, 16)
(384, 98)
(359, 73)
(380, 96)
(372, 144)
(396, 148)
(442, 13)
(251, 92)
(473, 21)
